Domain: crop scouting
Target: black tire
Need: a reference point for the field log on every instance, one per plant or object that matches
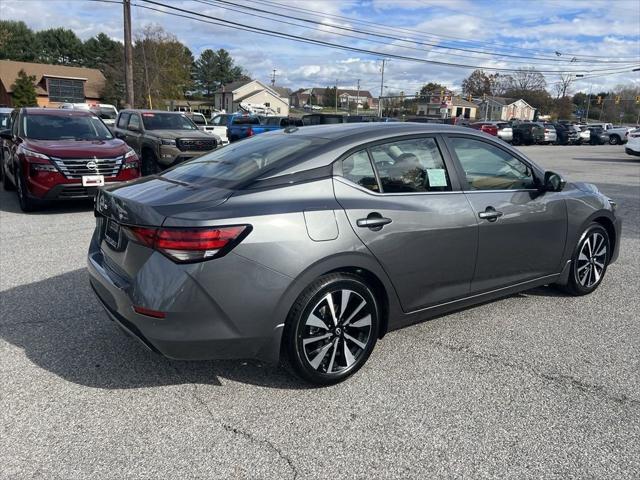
(335, 356)
(584, 268)
(614, 140)
(27, 204)
(516, 140)
(150, 164)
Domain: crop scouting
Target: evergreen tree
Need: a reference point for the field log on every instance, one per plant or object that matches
(17, 42)
(59, 46)
(24, 91)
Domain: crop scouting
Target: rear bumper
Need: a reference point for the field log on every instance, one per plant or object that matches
(200, 324)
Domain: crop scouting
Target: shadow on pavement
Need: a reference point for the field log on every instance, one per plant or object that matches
(61, 327)
(9, 203)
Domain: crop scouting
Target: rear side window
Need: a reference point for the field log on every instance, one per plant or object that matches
(134, 121)
(357, 168)
(414, 165)
(244, 161)
(123, 120)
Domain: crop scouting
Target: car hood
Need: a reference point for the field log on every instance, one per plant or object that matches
(150, 200)
(78, 148)
(173, 134)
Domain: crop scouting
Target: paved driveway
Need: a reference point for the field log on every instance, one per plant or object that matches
(537, 385)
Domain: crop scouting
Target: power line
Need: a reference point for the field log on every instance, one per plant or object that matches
(263, 31)
(225, 4)
(421, 34)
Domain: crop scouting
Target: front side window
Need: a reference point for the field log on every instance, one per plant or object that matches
(65, 90)
(134, 122)
(123, 120)
(167, 121)
(414, 165)
(357, 168)
(5, 121)
(488, 167)
(65, 127)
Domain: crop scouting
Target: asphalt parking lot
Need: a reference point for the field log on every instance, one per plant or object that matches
(537, 385)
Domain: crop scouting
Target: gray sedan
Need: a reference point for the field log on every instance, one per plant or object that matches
(311, 243)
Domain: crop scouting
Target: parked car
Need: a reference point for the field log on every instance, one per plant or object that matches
(564, 133)
(241, 126)
(312, 241)
(323, 118)
(505, 132)
(585, 134)
(527, 133)
(162, 139)
(308, 106)
(486, 127)
(201, 122)
(282, 122)
(5, 124)
(598, 136)
(108, 113)
(54, 154)
(633, 144)
(617, 134)
(550, 133)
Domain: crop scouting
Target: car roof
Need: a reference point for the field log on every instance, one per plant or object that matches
(345, 131)
(143, 110)
(59, 112)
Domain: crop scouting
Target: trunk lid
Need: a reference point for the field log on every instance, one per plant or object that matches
(150, 200)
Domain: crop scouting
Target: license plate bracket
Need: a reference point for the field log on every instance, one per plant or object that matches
(112, 233)
(92, 180)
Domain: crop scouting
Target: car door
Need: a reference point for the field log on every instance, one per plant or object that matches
(404, 202)
(11, 160)
(133, 133)
(522, 230)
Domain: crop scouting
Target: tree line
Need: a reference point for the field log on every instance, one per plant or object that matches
(164, 68)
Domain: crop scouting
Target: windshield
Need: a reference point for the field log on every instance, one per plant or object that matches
(106, 113)
(65, 127)
(167, 121)
(5, 121)
(242, 161)
(198, 119)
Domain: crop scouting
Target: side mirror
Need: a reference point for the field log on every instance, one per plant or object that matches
(553, 182)
(6, 134)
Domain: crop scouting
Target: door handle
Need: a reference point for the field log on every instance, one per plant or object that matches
(490, 214)
(374, 221)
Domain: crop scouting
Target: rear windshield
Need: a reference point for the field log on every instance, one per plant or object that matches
(243, 161)
(106, 113)
(167, 121)
(65, 127)
(198, 119)
(245, 121)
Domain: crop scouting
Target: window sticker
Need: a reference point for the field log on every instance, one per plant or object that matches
(437, 177)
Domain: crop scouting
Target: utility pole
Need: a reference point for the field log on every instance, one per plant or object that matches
(336, 95)
(273, 78)
(381, 87)
(358, 97)
(128, 53)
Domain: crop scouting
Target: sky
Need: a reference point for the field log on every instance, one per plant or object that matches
(508, 33)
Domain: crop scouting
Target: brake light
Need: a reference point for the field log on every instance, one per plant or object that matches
(184, 245)
(148, 312)
(249, 132)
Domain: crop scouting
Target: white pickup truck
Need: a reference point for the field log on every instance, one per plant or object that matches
(201, 121)
(617, 135)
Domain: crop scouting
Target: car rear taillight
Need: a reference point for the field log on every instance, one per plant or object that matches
(249, 132)
(185, 245)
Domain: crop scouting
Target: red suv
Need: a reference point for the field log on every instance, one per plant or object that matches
(485, 127)
(55, 154)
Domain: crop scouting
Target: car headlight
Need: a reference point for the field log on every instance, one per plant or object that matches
(32, 154)
(130, 153)
(168, 141)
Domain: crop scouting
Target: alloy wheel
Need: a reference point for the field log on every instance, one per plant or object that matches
(337, 331)
(592, 260)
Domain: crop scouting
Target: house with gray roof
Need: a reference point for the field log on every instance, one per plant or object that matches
(231, 95)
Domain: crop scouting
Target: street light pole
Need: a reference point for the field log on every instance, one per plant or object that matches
(336, 95)
(358, 97)
(381, 87)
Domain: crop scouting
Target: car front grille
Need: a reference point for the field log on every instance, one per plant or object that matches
(196, 144)
(78, 167)
(73, 191)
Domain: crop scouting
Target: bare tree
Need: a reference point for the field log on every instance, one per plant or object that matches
(562, 87)
(526, 79)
